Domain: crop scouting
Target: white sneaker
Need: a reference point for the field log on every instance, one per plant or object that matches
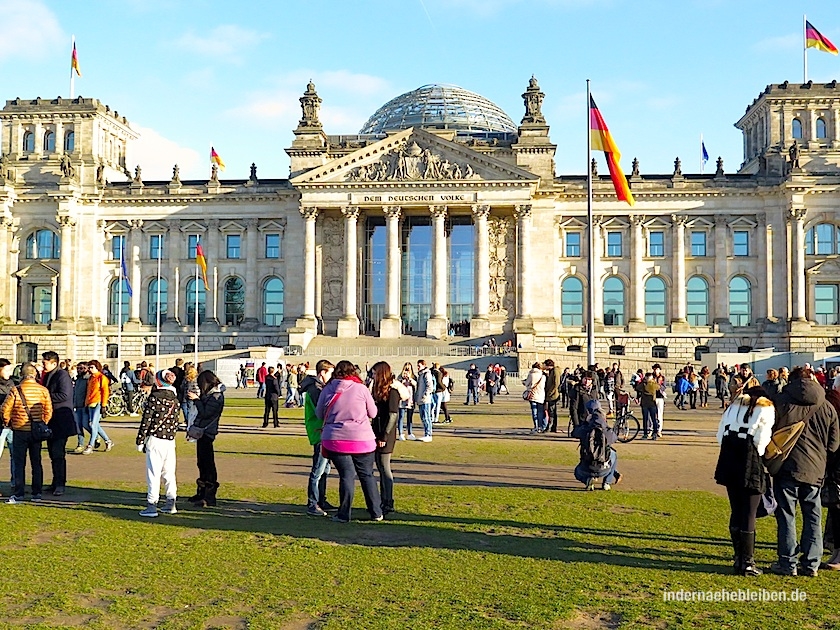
(426, 438)
(109, 445)
(411, 436)
(88, 450)
(401, 438)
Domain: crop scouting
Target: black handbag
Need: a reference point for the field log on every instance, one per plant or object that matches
(40, 429)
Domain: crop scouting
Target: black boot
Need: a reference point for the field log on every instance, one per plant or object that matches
(198, 497)
(735, 534)
(748, 567)
(210, 495)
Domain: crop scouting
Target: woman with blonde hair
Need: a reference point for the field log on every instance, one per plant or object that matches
(189, 384)
(409, 381)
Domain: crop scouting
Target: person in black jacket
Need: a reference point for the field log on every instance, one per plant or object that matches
(6, 386)
(579, 395)
(387, 393)
(63, 423)
(588, 472)
(272, 398)
(210, 405)
(801, 476)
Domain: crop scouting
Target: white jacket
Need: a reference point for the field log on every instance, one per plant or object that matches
(759, 425)
(425, 387)
(536, 382)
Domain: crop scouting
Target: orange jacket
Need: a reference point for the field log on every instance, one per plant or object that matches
(40, 406)
(98, 390)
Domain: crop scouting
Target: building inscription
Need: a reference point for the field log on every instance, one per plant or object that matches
(401, 198)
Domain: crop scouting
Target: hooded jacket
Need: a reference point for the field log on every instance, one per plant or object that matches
(160, 415)
(807, 461)
(535, 382)
(346, 407)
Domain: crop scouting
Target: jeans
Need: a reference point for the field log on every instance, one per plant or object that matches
(788, 492)
(6, 440)
(611, 401)
(206, 460)
(584, 473)
(261, 390)
(160, 462)
(81, 414)
(538, 415)
(704, 396)
(408, 414)
(650, 421)
(426, 418)
(660, 415)
(551, 411)
(386, 481)
(23, 443)
(436, 401)
(95, 415)
(316, 493)
(190, 411)
(472, 392)
(692, 399)
(361, 465)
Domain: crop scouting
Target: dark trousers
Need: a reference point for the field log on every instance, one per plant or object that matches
(272, 403)
(386, 481)
(692, 399)
(23, 443)
(206, 460)
(704, 396)
(551, 409)
(743, 504)
(491, 391)
(361, 465)
(57, 449)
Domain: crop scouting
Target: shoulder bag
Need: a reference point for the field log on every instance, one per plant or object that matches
(782, 442)
(40, 429)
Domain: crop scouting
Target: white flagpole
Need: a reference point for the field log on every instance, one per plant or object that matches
(72, 78)
(157, 323)
(702, 163)
(120, 301)
(590, 293)
(195, 338)
(804, 48)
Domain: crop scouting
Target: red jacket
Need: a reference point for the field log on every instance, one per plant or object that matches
(261, 374)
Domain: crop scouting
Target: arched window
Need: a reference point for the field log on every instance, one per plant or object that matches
(822, 240)
(821, 131)
(571, 302)
(655, 297)
(69, 141)
(740, 302)
(28, 142)
(697, 301)
(152, 301)
(43, 244)
(613, 302)
(273, 299)
(49, 142)
(234, 301)
(117, 313)
(796, 128)
(190, 297)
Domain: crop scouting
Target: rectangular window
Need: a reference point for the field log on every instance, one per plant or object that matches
(156, 246)
(614, 245)
(827, 304)
(741, 243)
(192, 241)
(572, 244)
(698, 244)
(656, 244)
(117, 246)
(234, 241)
(272, 246)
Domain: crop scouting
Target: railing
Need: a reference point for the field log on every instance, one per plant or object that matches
(415, 351)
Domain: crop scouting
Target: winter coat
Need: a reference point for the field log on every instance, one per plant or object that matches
(743, 439)
(310, 389)
(473, 378)
(80, 392)
(646, 390)
(552, 384)
(807, 461)
(37, 399)
(384, 425)
(272, 386)
(535, 382)
(831, 485)
(98, 390)
(209, 408)
(160, 416)
(425, 387)
(346, 407)
(411, 387)
(60, 386)
(6, 385)
(773, 388)
(578, 399)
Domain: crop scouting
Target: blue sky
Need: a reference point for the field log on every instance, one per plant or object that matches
(189, 74)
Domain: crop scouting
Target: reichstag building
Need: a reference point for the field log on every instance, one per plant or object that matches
(440, 216)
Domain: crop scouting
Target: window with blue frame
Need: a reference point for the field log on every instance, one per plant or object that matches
(572, 244)
(234, 243)
(272, 246)
(656, 244)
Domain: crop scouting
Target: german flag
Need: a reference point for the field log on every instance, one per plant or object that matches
(815, 39)
(216, 159)
(74, 62)
(201, 261)
(602, 141)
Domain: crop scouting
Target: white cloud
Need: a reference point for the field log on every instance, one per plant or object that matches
(30, 29)
(783, 43)
(227, 42)
(157, 155)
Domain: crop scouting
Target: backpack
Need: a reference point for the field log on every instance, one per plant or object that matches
(594, 450)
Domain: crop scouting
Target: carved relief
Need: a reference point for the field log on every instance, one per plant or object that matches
(501, 272)
(410, 163)
(331, 230)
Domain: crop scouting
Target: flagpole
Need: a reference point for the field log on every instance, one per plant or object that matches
(590, 293)
(195, 338)
(157, 323)
(120, 302)
(72, 78)
(804, 48)
(702, 163)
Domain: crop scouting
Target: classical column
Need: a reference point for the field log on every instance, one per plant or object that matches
(637, 272)
(252, 298)
(524, 321)
(768, 268)
(307, 319)
(680, 318)
(759, 293)
(6, 310)
(437, 326)
(66, 308)
(797, 216)
(390, 326)
(134, 271)
(596, 254)
(173, 245)
(480, 322)
(348, 325)
(721, 310)
(213, 249)
(177, 291)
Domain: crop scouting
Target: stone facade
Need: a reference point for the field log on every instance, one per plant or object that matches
(716, 262)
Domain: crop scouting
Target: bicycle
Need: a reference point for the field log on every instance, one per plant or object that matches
(116, 405)
(626, 426)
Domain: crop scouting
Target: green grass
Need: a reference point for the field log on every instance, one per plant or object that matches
(454, 557)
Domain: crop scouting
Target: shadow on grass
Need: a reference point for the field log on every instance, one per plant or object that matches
(605, 546)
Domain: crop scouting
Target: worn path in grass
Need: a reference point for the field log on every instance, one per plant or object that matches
(485, 446)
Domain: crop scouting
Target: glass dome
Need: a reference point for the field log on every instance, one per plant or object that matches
(440, 106)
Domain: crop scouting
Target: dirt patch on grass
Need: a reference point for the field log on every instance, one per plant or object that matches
(301, 622)
(228, 622)
(592, 621)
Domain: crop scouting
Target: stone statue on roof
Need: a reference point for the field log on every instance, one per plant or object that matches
(533, 98)
(310, 103)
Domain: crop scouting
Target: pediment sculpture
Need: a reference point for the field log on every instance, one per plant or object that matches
(410, 162)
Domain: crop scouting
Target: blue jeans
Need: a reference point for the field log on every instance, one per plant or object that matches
(81, 415)
(788, 492)
(538, 415)
(650, 420)
(190, 411)
(472, 392)
(6, 440)
(583, 473)
(95, 415)
(406, 413)
(261, 390)
(426, 417)
(362, 465)
(317, 490)
(436, 400)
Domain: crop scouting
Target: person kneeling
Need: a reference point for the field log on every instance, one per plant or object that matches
(598, 460)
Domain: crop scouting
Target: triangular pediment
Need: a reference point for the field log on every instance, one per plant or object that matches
(36, 271)
(414, 155)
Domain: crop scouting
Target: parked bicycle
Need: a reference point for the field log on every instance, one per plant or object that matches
(626, 426)
(118, 403)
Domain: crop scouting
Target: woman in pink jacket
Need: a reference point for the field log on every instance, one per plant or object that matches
(347, 440)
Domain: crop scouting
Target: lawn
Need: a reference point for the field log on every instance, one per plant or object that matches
(453, 556)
